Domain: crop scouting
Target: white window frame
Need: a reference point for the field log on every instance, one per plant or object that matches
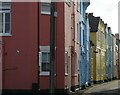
(78, 33)
(4, 10)
(47, 4)
(40, 64)
(66, 63)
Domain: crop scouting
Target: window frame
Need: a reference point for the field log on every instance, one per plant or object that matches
(40, 63)
(47, 4)
(66, 62)
(4, 10)
(78, 31)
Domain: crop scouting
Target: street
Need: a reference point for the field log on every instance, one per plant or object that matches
(108, 88)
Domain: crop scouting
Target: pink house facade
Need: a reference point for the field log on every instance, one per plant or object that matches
(25, 47)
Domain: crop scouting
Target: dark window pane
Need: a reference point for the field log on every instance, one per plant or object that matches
(45, 67)
(7, 27)
(45, 61)
(7, 17)
(48, 57)
(1, 27)
(44, 57)
(1, 22)
(45, 7)
(1, 17)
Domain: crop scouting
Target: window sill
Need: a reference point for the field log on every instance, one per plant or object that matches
(45, 74)
(48, 13)
(45, 13)
(5, 35)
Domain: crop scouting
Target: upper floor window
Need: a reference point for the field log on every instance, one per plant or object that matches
(98, 34)
(45, 7)
(5, 19)
(82, 37)
(78, 32)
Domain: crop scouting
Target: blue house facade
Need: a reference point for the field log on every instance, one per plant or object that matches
(87, 49)
(107, 51)
(109, 63)
(84, 45)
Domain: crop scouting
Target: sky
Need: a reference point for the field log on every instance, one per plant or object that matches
(107, 10)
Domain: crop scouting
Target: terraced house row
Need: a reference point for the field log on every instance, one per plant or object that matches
(86, 51)
(104, 51)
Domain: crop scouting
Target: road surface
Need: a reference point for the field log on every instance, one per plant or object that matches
(108, 88)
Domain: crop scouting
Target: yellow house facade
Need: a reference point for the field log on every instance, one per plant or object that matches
(97, 37)
(103, 51)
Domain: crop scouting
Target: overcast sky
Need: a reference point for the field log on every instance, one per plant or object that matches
(107, 10)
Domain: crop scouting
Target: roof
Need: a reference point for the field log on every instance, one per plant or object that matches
(94, 22)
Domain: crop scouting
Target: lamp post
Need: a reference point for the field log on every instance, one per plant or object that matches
(52, 47)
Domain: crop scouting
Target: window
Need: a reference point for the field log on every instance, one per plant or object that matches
(98, 34)
(82, 37)
(66, 62)
(4, 19)
(75, 64)
(81, 33)
(78, 32)
(81, 6)
(45, 7)
(44, 63)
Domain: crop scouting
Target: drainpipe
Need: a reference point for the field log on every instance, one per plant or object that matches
(38, 45)
(52, 47)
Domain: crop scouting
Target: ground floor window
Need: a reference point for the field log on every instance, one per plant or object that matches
(44, 62)
(66, 62)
